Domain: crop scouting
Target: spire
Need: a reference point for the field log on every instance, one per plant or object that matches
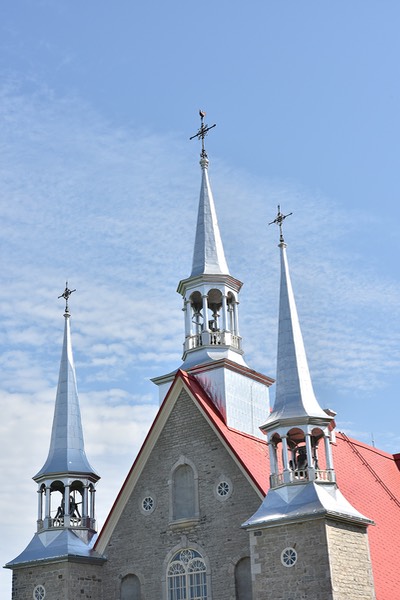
(66, 524)
(208, 255)
(299, 431)
(294, 390)
(212, 346)
(67, 452)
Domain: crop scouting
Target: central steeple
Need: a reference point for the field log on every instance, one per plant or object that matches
(212, 347)
(210, 294)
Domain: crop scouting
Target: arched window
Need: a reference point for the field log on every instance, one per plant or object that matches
(183, 493)
(243, 587)
(130, 588)
(187, 576)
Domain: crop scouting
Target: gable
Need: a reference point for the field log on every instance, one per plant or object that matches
(213, 524)
(239, 446)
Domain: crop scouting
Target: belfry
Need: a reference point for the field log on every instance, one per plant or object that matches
(66, 523)
(304, 519)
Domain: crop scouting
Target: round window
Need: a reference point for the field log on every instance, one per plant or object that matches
(223, 489)
(289, 557)
(148, 504)
(39, 592)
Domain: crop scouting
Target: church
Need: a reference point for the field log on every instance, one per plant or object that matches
(229, 498)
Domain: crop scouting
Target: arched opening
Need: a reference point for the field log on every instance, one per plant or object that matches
(187, 576)
(76, 503)
(243, 585)
(297, 455)
(197, 320)
(56, 508)
(214, 305)
(130, 588)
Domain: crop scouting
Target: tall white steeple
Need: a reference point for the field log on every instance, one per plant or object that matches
(66, 524)
(212, 348)
(210, 294)
(299, 431)
(67, 451)
(305, 530)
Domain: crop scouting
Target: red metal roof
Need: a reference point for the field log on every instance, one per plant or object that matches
(368, 478)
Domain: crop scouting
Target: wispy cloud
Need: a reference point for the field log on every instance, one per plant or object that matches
(114, 212)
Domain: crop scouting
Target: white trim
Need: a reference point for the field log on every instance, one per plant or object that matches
(39, 588)
(291, 555)
(223, 479)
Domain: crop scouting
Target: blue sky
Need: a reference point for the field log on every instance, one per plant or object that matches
(99, 184)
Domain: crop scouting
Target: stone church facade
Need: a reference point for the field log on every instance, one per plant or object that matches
(213, 508)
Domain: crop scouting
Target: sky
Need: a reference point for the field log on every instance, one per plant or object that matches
(99, 185)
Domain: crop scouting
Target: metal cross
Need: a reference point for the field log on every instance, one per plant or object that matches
(66, 294)
(278, 221)
(202, 132)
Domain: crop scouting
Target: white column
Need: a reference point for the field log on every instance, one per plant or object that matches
(48, 502)
(328, 452)
(272, 458)
(285, 453)
(309, 450)
(92, 513)
(187, 309)
(85, 502)
(66, 500)
(205, 313)
(224, 312)
(40, 504)
(236, 316)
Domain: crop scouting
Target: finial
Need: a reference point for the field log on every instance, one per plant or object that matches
(66, 294)
(202, 132)
(279, 220)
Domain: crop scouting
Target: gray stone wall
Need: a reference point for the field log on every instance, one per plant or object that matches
(143, 544)
(308, 578)
(62, 581)
(350, 562)
(332, 562)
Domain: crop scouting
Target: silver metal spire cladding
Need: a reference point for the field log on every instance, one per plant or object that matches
(208, 256)
(67, 452)
(294, 390)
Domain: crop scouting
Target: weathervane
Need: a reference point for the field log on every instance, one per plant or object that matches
(66, 294)
(202, 132)
(278, 221)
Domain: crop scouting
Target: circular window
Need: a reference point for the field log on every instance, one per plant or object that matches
(289, 557)
(39, 592)
(223, 488)
(148, 504)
